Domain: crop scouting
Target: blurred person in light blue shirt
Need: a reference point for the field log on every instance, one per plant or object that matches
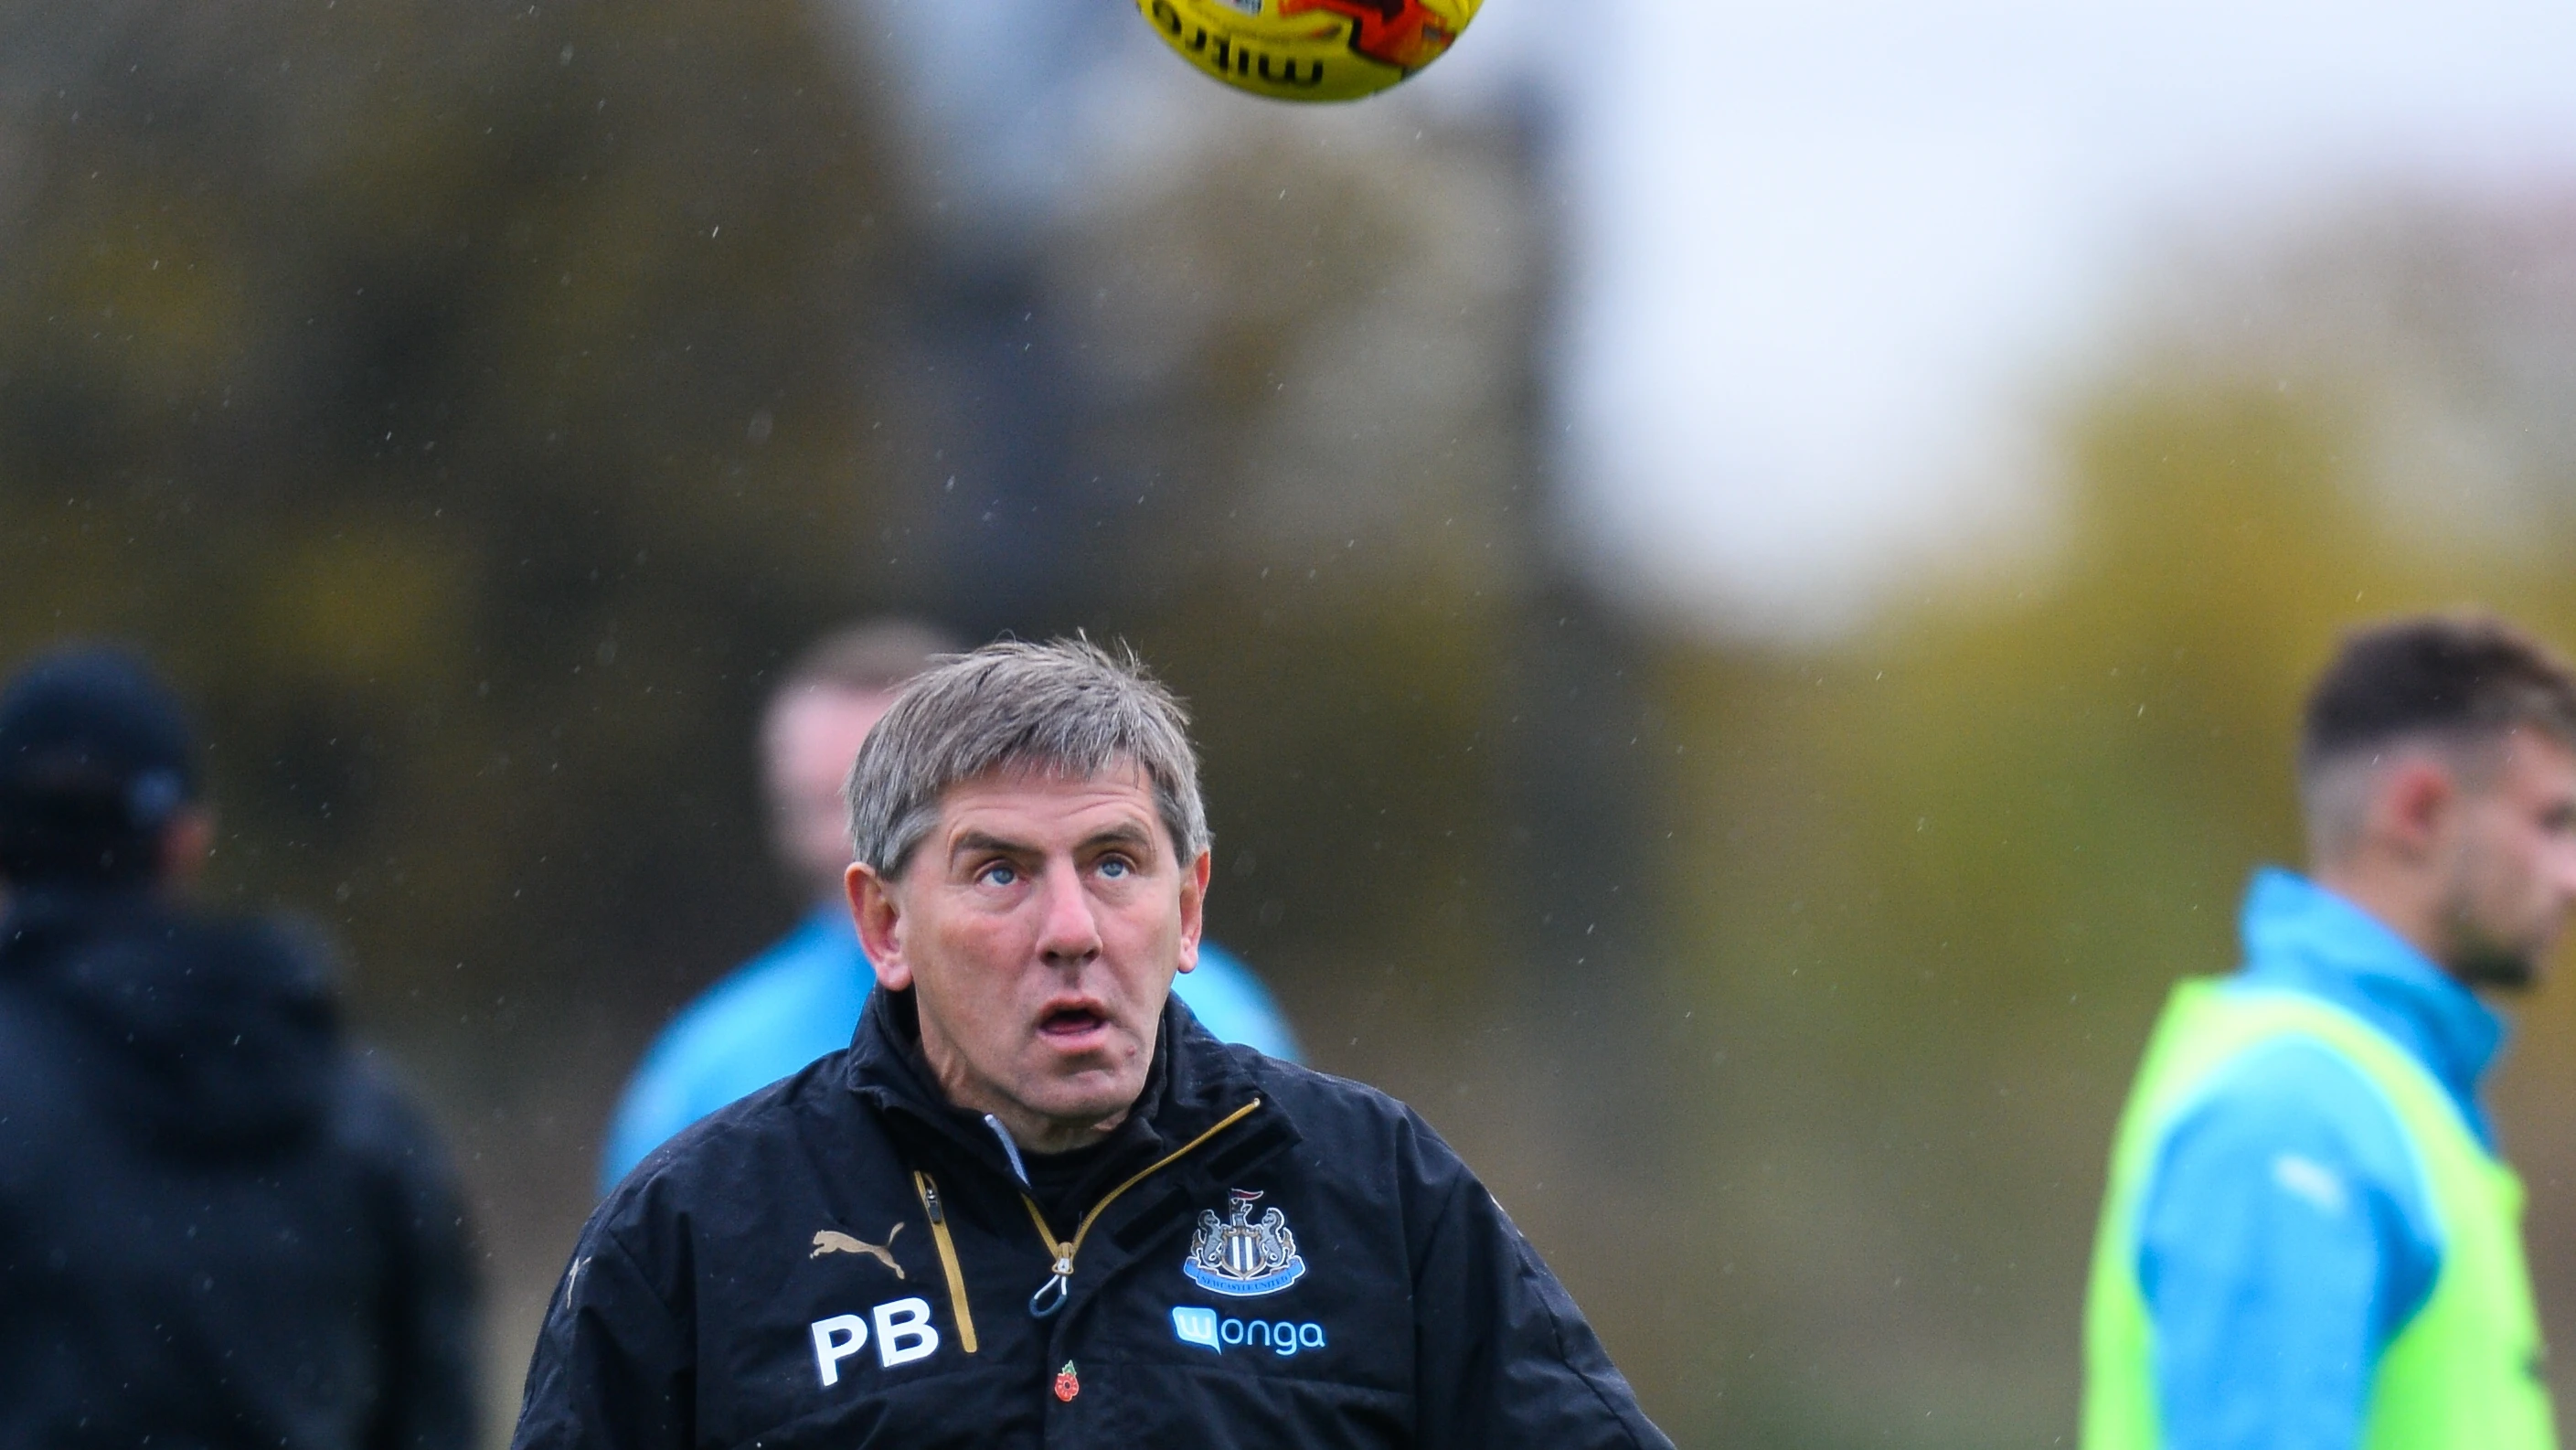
(801, 998)
(2310, 1240)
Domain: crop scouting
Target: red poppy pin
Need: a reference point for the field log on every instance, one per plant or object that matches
(1067, 1383)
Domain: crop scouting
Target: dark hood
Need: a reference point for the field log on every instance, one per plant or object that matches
(208, 1035)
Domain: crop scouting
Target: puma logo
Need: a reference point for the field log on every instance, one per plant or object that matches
(832, 1242)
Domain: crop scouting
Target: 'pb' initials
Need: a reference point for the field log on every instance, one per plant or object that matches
(904, 1334)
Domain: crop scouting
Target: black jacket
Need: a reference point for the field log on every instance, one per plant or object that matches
(218, 1227)
(736, 1290)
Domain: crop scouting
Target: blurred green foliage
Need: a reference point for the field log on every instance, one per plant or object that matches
(471, 403)
(1938, 879)
(465, 419)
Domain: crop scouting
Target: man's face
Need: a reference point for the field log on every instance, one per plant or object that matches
(807, 745)
(2512, 867)
(1039, 925)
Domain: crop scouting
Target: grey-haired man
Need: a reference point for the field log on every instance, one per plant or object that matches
(802, 997)
(1034, 1203)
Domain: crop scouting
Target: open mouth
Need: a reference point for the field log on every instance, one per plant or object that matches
(1070, 1022)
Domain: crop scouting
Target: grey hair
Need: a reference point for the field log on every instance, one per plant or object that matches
(1067, 708)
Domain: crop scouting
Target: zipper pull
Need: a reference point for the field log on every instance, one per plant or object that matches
(939, 1235)
(1051, 1295)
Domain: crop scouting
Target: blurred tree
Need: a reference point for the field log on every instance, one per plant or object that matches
(469, 402)
(1309, 344)
(1306, 339)
(442, 389)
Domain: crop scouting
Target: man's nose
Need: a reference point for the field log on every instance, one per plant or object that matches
(1069, 931)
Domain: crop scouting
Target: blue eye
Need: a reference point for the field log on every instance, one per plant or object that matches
(1115, 866)
(1000, 873)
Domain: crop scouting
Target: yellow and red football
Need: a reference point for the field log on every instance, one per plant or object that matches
(1309, 50)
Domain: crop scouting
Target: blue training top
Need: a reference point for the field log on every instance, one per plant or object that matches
(2287, 1235)
(800, 999)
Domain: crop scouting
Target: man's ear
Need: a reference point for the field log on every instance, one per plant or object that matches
(1194, 885)
(880, 921)
(2415, 805)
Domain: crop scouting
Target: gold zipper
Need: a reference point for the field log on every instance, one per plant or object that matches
(929, 1192)
(1051, 1295)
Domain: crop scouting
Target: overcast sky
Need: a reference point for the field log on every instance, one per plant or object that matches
(1833, 256)
(1834, 259)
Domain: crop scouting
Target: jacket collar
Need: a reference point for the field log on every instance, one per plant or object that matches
(2302, 937)
(1192, 1085)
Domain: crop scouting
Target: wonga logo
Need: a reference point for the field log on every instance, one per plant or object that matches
(1193, 1325)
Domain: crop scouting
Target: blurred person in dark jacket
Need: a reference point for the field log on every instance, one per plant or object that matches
(218, 1225)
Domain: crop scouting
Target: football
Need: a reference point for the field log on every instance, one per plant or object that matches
(1309, 50)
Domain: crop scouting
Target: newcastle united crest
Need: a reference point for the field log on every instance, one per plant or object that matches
(1240, 1257)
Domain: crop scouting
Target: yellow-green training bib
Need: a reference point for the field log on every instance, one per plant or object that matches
(2464, 1373)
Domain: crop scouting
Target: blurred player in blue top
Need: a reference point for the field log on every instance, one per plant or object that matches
(800, 999)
